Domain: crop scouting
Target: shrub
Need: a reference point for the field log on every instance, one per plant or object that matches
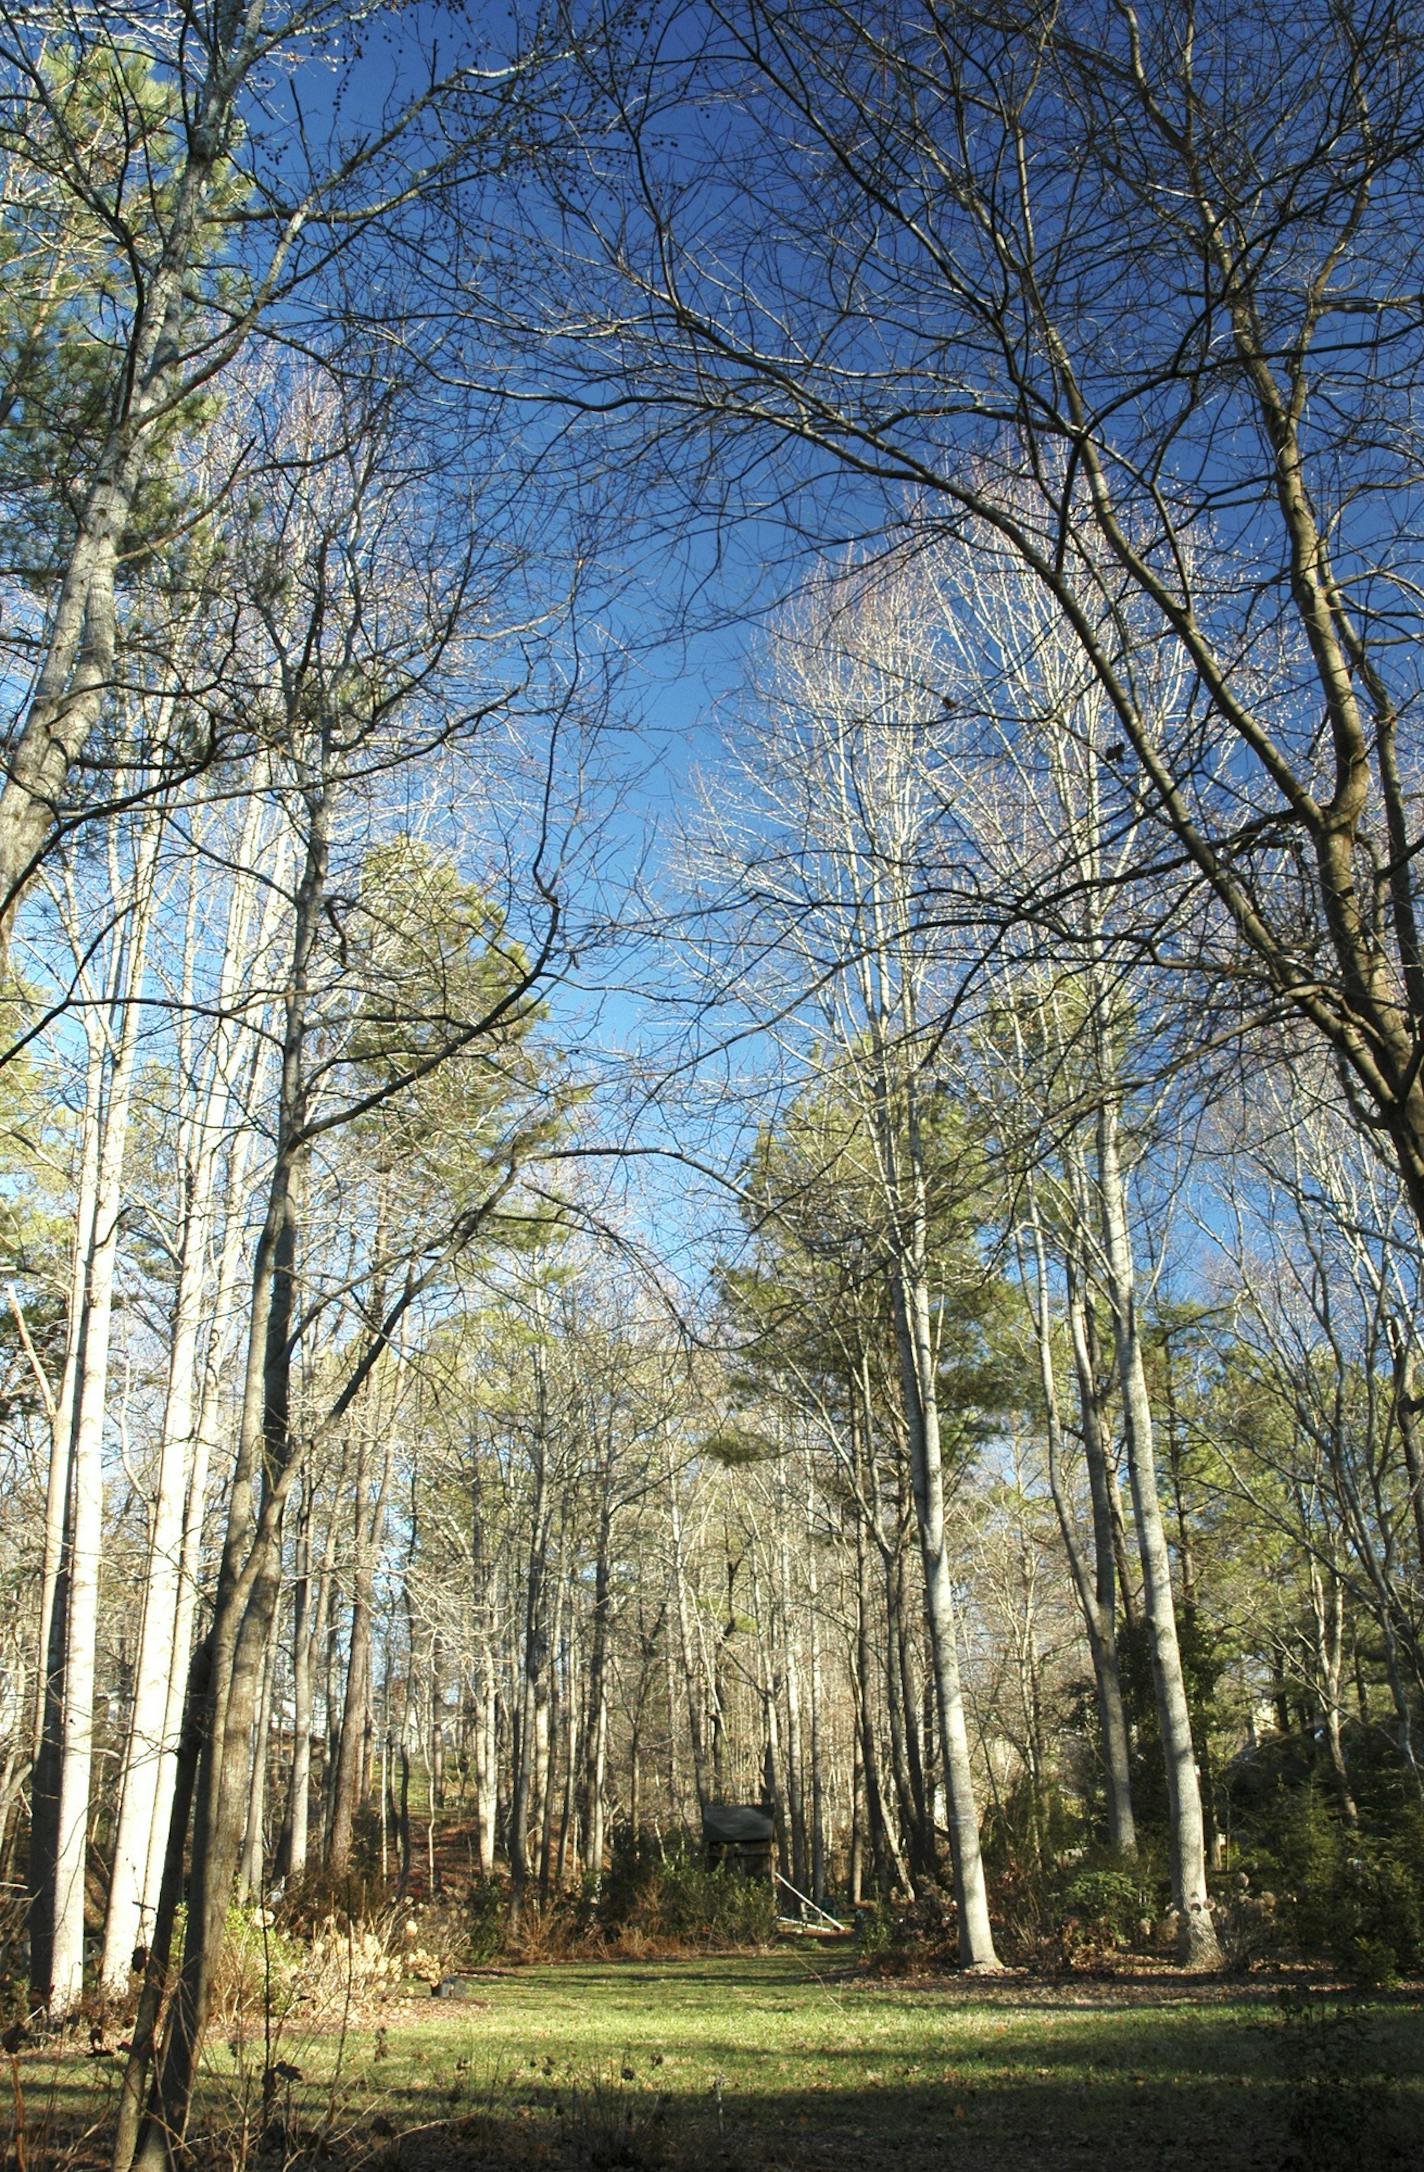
(554, 1929)
(636, 1859)
(484, 1913)
(718, 1906)
(666, 1891)
(874, 1929)
(1072, 1912)
(1351, 1898)
(1109, 1900)
(1250, 1926)
(357, 1963)
(260, 1967)
(897, 1937)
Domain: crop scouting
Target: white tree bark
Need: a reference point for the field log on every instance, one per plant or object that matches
(1199, 1946)
(915, 1343)
(58, 1948)
(202, 1304)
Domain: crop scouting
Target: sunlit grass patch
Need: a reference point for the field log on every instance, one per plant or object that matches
(797, 2062)
(771, 2060)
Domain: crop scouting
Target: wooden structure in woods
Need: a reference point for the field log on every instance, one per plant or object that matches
(740, 1835)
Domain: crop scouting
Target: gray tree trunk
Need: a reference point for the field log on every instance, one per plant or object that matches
(1094, 1589)
(1198, 1940)
(915, 1344)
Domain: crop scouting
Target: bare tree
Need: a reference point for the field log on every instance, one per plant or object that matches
(1162, 269)
(356, 663)
(829, 848)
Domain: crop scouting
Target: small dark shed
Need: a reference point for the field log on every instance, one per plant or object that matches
(741, 1835)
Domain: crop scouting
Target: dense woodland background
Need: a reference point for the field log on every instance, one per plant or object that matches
(713, 1077)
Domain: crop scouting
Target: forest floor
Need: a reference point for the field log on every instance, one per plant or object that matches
(797, 2061)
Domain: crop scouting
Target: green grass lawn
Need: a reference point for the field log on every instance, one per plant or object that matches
(795, 2060)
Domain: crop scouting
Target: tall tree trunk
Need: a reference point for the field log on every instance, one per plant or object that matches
(1122, 1823)
(57, 1936)
(889, 982)
(865, 1670)
(795, 1745)
(555, 1704)
(1199, 1945)
(249, 1572)
(692, 1670)
(241, 1074)
(1095, 1591)
(596, 1740)
(210, 1417)
(532, 1710)
(485, 1687)
(817, 1716)
(54, 1599)
(127, 1921)
(437, 1723)
(311, 1607)
(1327, 1605)
(915, 1343)
(917, 1741)
(1405, 1364)
(349, 1774)
(252, 1865)
(161, 1665)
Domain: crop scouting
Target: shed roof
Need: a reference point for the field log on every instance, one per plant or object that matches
(740, 1823)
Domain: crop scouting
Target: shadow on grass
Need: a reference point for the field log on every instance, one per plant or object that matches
(1262, 2124)
(1320, 2088)
(1021, 2075)
(1265, 2122)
